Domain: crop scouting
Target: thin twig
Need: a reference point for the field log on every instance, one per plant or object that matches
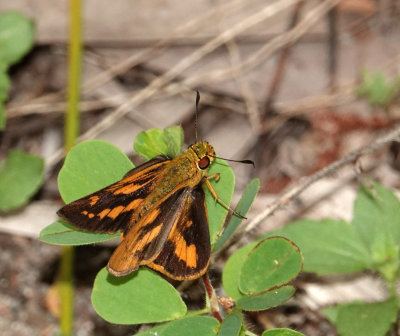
(283, 56)
(136, 59)
(263, 53)
(303, 184)
(247, 94)
(332, 47)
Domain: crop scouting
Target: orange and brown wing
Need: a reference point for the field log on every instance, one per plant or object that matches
(186, 252)
(110, 209)
(173, 239)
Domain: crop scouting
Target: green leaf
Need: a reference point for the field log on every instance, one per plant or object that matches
(224, 188)
(193, 326)
(273, 262)
(231, 271)
(328, 246)
(266, 300)
(281, 332)
(4, 86)
(198, 326)
(21, 175)
(231, 325)
(367, 319)
(90, 166)
(377, 89)
(2, 116)
(151, 143)
(62, 233)
(331, 313)
(140, 297)
(243, 207)
(16, 37)
(377, 221)
(173, 137)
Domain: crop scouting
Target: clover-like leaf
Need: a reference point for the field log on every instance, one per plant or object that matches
(140, 297)
(21, 175)
(90, 166)
(231, 325)
(272, 263)
(329, 246)
(62, 233)
(16, 37)
(266, 300)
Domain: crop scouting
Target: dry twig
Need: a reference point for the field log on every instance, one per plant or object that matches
(175, 71)
(306, 182)
(289, 37)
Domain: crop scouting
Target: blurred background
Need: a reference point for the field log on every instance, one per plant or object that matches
(292, 85)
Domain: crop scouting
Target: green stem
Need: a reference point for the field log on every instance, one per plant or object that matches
(71, 131)
(66, 290)
(74, 75)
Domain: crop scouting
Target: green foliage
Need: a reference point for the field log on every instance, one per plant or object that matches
(272, 263)
(255, 276)
(377, 89)
(370, 242)
(232, 325)
(247, 199)
(140, 297)
(224, 189)
(16, 39)
(62, 233)
(360, 318)
(21, 175)
(232, 271)
(4, 86)
(90, 166)
(195, 325)
(377, 221)
(329, 246)
(153, 142)
(267, 300)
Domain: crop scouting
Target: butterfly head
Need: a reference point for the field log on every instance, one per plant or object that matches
(204, 152)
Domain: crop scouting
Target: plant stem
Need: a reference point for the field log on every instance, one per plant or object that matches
(74, 75)
(71, 131)
(66, 291)
(212, 296)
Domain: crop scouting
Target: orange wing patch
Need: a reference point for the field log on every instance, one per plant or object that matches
(94, 199)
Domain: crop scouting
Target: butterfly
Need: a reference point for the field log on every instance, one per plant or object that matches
(160, 209)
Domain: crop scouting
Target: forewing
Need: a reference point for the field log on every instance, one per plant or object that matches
(110, 209)
(186, 252)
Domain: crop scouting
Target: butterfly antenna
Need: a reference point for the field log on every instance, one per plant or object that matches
(240, 161)
(197, 113)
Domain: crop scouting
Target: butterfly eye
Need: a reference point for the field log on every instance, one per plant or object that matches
(204, 162)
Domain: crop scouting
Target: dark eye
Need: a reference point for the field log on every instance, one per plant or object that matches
(204, 162)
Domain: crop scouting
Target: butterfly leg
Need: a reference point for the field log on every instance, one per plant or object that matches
(215, 177)
(215, 195)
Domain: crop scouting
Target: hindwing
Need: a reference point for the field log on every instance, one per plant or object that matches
(173, 239)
